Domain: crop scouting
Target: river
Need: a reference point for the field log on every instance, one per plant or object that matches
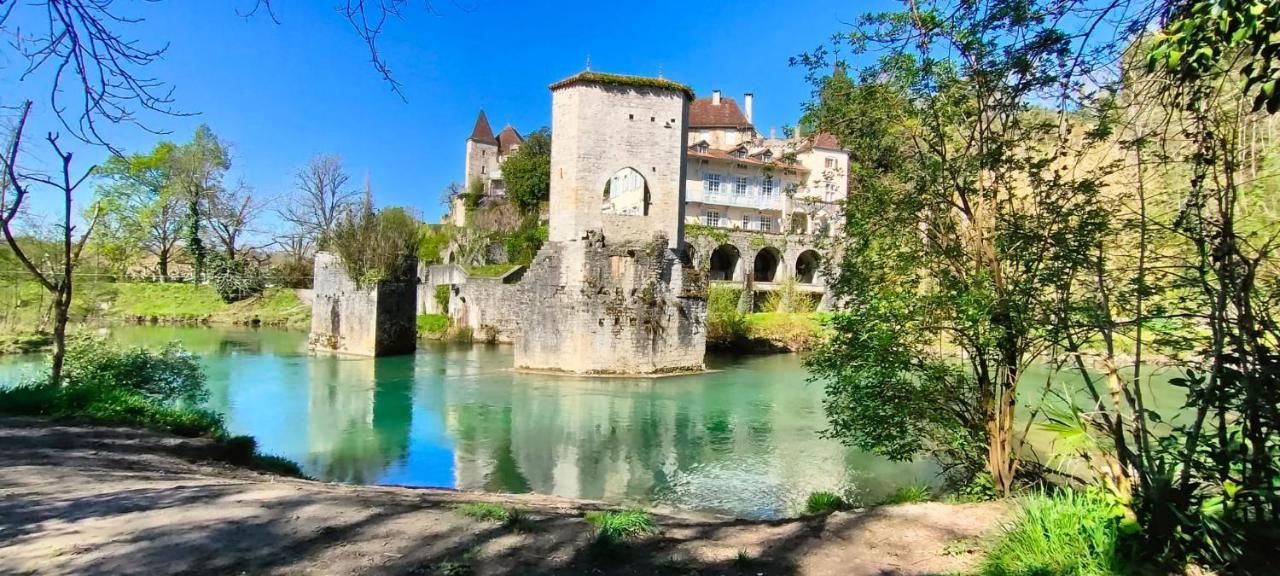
(742, 440)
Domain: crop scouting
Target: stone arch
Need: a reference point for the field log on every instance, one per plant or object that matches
(626, 193)
(724, 262)
(807, 267)
(768, 261)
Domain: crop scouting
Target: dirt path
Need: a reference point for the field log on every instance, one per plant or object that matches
(118, 501)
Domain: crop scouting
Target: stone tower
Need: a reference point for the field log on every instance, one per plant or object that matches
(611, 292)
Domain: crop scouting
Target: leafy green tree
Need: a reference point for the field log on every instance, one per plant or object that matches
(199, 167)
(140, 206)
(527, 171)
(965, 234)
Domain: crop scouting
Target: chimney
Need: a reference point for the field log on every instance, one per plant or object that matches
(746, 103)
(715, 97)
(773, 133)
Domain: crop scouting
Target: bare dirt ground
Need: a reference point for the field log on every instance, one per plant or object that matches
(91, 500)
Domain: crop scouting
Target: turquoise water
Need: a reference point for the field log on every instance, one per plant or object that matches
(743, 440)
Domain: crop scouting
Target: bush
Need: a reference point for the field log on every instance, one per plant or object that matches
(294, 272)
(276, 465)
(824, 503)
(432, 324)
(1065, 534)
(377, 246)
(523, 243)
(169, 376)
(724, 323)
(234, 280)
(616, 526)
(442, 297)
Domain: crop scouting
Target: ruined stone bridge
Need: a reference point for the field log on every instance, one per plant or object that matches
(761, 260)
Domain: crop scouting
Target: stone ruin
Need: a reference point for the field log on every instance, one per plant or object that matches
(376, 320)
(613, 291)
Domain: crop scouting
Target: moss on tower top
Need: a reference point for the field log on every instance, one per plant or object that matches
(624, 81)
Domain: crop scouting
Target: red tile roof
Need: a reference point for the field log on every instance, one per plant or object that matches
(704, 114)
(482, 132)
(826, 140)
(723, 155)
(508, 139)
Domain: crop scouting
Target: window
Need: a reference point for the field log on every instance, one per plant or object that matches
(711, 218)
(711, 183)
(740, 186)
(767, 156)
(740, 153)
(766, 224)
(746, 222)
(702, 148)
(769, 186)
(482, 169)
(830, 163)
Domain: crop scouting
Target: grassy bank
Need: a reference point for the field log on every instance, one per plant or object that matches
(26, 305)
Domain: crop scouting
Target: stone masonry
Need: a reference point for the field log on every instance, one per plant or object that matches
(378, 320)
(614, 293)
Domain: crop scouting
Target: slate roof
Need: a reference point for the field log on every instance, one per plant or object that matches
(482, 132)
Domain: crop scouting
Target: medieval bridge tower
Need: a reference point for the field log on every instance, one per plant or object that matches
(611, 292)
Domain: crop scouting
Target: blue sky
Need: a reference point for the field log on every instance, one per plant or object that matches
(283, 93)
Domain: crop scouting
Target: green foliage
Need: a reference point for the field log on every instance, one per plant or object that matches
(377, 246)
(442, 297)
(1205, 38)
(695, 231)
(474, 194)
(615, 526)
(141, 208)
(624, 81)
(432, 324)
(526, 173)
(724, 323)
(1065, 534)
(273, 464)
(489, 512)
(910, 494)
(234, 280)
(524, 242)
(198, 169)
(168, 376)
(824, 503)
(293, 272)
(435, 241)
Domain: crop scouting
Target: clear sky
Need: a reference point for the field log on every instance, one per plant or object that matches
(282, 93)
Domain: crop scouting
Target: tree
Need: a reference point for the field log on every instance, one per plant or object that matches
(967, 235)
(140, 205)
(199, 167)
(231, 215)
(320, 198)
(527, 171)
(16, 188)
(1206, 38)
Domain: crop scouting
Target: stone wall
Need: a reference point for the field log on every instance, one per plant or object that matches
(490, 308)
(430, 276)
(612, 308)
(602, 129)
(377, 320)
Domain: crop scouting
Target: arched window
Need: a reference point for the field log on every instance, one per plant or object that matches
(626, 193)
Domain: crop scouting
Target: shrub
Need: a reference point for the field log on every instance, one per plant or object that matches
(485, 511)
(377, 246)
(1065, 534)
(442, 297)
(276, 465)
(168, 376)
(294, 272)
(824, 503)
(620, 525)
(523, 243)
(724, 323)
(234, 280)
(909, 494)
(238, 449)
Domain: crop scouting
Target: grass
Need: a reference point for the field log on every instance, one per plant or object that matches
(824, 503)
(433, 326)
(1065, 534)
(616, 526)
(910, 494)
(490, 270)
(794, 331)
(489, 512)
(30, 342)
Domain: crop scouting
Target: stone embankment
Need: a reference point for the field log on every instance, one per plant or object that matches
(92, 500)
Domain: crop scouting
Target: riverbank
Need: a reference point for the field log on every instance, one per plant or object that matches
(111, 500)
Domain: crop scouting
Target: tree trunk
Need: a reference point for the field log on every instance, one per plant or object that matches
(61, 304)
(162, 261)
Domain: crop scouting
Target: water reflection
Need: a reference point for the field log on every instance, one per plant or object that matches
(744, 440)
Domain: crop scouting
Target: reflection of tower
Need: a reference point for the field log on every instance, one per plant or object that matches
(393, 405)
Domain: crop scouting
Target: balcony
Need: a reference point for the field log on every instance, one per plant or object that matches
(752, 199)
